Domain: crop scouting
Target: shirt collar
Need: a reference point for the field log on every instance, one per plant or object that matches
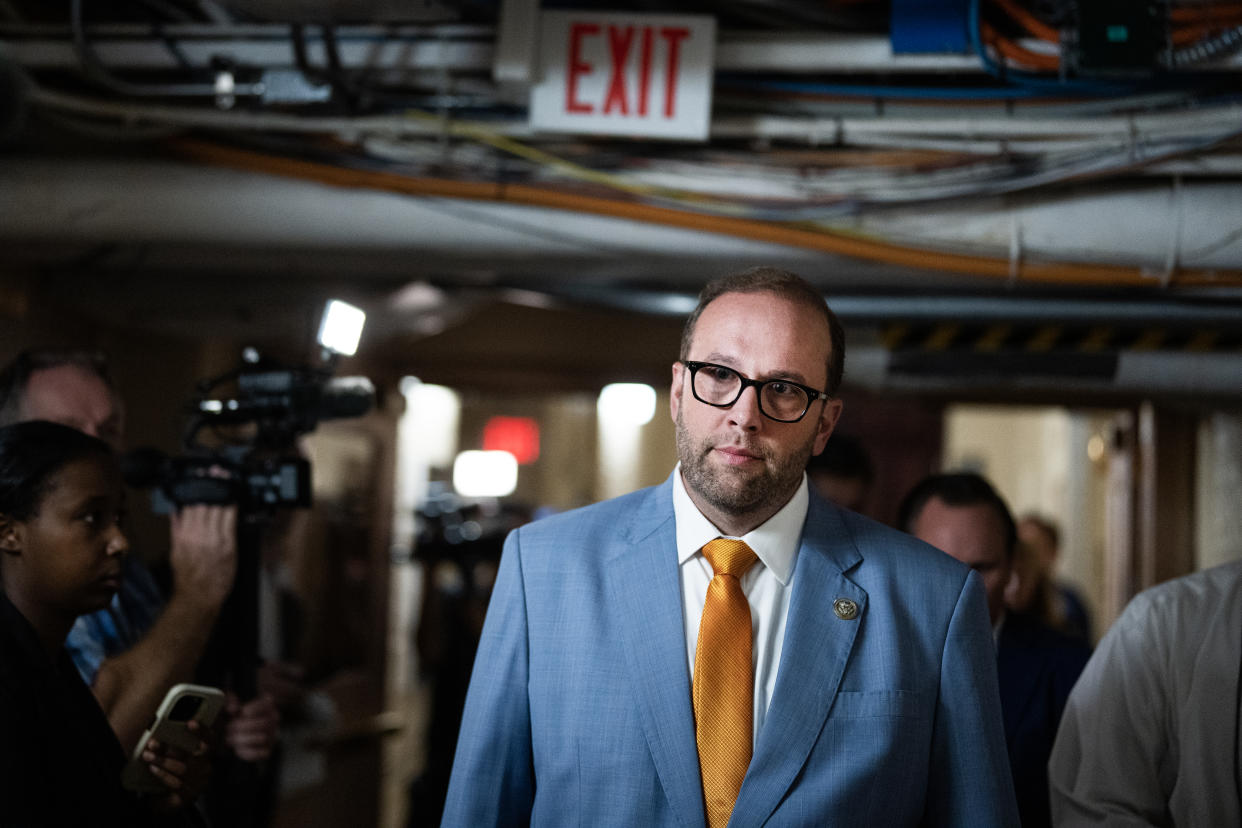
(775, 541)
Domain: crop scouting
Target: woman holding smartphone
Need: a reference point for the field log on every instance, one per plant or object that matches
(61, 549)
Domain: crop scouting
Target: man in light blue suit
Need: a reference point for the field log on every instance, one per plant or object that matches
(874, 679)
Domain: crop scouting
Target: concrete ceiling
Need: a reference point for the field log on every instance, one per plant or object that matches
(138, 234)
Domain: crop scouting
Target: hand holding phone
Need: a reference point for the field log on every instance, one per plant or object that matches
(184, 703)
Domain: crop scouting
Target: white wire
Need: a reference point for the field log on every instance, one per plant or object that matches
(1188, 122)
(855, 130)
(1094, 146)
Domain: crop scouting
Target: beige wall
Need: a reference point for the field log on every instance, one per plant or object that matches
(1023, 451)
(569, 472)
(1219, 489)
(563, 476)
(1039, 460)
(637, 457)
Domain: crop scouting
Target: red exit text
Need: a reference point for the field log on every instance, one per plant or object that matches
(626, 92)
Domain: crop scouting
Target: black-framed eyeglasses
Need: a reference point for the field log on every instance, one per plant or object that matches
(782, 400)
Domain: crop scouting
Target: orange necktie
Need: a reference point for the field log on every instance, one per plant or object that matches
(724, 680)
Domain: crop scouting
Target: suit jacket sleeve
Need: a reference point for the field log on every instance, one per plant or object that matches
(969, 781)
(493, 780)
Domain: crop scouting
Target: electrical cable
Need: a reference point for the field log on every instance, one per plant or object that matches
(297, 40)
(109, 132)
(340, 80)
(883, 91)
(1195, 13)
(1188, 121)
(997, 268)
(1017, 161)
(1011, 50)
(1198, 34)
(1028, 21)
(1017, 100)
(351, 91)
(1211, 48)
(817, 197)
(97, 72)
(1119, 144)
(579, 172)
(1034, 81)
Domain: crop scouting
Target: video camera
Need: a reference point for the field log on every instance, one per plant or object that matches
(252, 462)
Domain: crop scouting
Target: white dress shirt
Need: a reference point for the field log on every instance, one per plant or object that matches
(766, 584)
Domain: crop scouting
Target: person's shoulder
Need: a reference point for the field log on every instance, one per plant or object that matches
(1202, 590)
(616, 514)
(1178, 617)
(877, 538)
(883, 548)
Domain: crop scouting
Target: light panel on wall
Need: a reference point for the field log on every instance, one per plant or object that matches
(431, 419)
(485, 473)
(629, 403)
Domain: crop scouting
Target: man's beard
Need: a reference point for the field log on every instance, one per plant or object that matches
(734, 491)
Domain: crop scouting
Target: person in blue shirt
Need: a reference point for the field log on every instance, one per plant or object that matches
(133, 650)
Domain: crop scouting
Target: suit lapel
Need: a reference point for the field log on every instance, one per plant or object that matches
(814, 653)
(644, 594)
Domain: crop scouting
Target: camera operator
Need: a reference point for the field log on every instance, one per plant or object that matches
(133, 651)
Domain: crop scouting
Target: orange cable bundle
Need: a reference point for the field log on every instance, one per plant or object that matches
(807, 237)
(1013, 51)
(1036, 27)
(1016, 53)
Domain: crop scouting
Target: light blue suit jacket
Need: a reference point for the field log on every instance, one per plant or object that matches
(579, 707)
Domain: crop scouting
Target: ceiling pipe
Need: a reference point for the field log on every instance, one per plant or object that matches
(1162, 310)
(1121, 238)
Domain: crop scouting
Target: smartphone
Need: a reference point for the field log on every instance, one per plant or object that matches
(184, 703)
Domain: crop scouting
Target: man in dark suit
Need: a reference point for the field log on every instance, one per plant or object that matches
(1037, 665)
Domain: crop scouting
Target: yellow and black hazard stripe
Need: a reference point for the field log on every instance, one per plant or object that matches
(1080, 351)
(1001, 338)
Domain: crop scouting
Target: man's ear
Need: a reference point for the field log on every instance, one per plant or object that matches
(827, 422)
(10, 535)
(674, 395)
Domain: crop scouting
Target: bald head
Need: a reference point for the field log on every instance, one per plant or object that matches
(69, 388)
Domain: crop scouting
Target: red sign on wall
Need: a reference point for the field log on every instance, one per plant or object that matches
(625, 74)
(517, 435)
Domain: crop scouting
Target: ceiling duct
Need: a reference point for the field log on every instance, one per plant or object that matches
(1121, 375)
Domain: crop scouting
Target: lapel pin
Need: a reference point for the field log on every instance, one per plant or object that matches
(845, 609)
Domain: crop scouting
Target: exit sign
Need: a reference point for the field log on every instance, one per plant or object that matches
(642, 75)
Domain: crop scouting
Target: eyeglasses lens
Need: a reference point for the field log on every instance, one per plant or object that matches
(717, 385)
